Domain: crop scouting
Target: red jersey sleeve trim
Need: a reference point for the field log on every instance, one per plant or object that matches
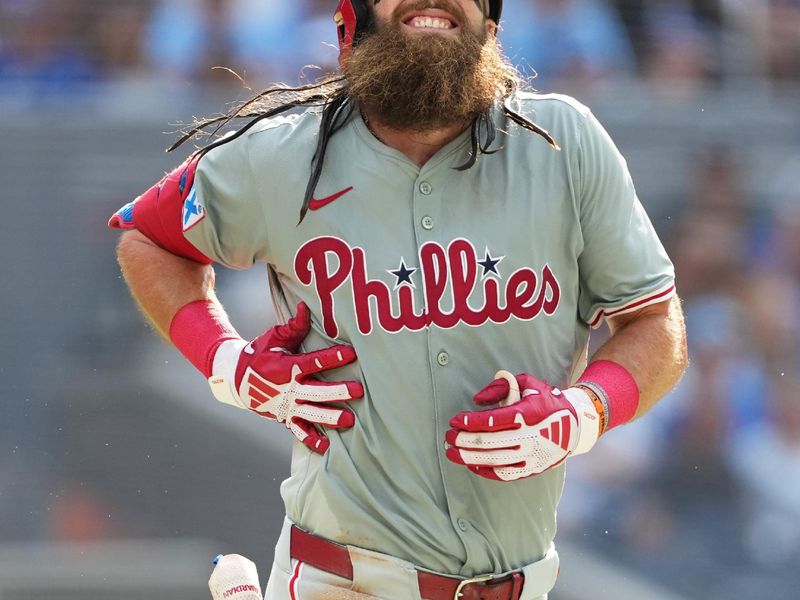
(654, 298)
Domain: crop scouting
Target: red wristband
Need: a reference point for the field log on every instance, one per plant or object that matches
(198, 329)
(618, 387)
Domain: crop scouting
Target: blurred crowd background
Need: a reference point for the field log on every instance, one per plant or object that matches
(676, 46)
(108, 436)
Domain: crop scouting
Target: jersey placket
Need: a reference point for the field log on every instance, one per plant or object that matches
(428, 212)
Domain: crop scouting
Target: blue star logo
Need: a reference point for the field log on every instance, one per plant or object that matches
(191, 208)
(403, 275)
(489, 264)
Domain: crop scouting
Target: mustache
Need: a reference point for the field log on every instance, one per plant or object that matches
(404, 9)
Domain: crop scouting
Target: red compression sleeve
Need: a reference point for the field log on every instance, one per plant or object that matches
(614, 384)
(166, 211)
(197, 330)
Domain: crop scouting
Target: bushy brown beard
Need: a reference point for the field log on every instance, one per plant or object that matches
(420, 82)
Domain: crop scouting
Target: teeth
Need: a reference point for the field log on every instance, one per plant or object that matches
(431, 22)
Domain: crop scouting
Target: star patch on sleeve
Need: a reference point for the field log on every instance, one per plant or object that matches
(193, 210)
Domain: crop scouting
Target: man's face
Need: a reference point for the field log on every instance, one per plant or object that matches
(435, 17)
(427, 64)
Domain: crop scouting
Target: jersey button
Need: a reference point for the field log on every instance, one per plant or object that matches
(426, 188)
(427, 223)
(443, 359)
(462, 524)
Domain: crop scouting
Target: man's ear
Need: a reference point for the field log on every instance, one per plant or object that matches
(491, 28)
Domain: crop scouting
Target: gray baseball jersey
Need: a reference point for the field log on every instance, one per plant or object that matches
(437, 278)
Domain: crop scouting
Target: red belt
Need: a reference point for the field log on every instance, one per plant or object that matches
(334, 558)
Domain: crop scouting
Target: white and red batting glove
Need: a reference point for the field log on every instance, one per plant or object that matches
(535, 428)
(265, 376)
(234, 578)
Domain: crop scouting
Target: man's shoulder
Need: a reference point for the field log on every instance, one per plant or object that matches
(296, 125)
(551, 103)
(281, 135)
(562, 116)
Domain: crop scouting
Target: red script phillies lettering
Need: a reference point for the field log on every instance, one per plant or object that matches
(328, 263)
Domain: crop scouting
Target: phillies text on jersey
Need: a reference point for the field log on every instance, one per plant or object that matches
(328, 263)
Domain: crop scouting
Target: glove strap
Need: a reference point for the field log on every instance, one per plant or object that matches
(588, 419)
(223, 372)
(600, 403)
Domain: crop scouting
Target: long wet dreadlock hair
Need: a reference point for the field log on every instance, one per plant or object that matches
(331, 94)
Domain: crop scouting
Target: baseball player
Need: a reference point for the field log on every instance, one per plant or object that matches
(439, 243)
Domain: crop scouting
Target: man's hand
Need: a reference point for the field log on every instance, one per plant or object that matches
(234, 577)
(534, 429)
(265, 376)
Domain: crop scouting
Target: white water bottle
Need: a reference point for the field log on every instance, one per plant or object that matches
(234, 578)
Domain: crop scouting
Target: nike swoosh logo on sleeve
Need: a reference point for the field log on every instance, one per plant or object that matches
(317, 204)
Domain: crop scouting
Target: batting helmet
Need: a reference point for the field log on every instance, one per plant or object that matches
(353, 20)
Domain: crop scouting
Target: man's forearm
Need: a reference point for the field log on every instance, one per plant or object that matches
(651, 345)
(161, 282)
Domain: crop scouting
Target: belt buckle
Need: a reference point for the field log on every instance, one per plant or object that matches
(465, 582)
